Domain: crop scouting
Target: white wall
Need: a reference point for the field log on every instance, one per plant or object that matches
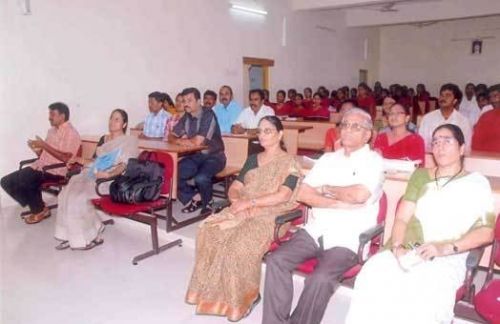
(98, 55)
(410, 54)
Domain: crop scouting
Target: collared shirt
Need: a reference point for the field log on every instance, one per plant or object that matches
(66, 139)
(226, 116)
(249, 120)
(486, 109)
(154, 125)
(435, 118)
(342, 226)
(204, 124)
(470, 109)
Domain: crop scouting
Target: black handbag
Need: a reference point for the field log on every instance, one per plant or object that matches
(141, 182)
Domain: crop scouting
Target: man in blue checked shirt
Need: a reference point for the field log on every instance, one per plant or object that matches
(154, 125)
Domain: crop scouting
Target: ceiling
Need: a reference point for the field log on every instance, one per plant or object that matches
(384, 12)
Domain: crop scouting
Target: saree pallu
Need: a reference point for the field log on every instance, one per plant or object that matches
(77, 220)
(230, 248)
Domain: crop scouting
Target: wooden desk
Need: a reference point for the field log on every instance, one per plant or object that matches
(487, 163)
(236, 148)
(291, 136)
(89, 143)
(312, 138)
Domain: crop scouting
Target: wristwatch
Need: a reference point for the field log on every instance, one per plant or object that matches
(455, 248)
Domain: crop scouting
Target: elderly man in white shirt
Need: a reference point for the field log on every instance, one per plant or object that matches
(343, 189)
(449, 97)
(469, 106)
(249, 118)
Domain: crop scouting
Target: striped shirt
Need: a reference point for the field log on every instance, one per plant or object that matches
(154, 125)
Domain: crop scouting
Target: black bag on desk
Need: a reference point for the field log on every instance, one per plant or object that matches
(142, 181)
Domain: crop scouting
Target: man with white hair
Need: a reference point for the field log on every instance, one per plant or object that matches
(343, 189)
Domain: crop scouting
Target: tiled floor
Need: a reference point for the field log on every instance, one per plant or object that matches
(42, 285)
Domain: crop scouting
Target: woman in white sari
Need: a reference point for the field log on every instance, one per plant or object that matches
(444, 213)
(78, 225)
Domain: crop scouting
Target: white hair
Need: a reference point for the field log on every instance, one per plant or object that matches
(360, 112)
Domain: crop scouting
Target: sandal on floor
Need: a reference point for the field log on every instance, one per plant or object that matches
(193, 206)
(37, 218)
(91, 245)
(63, 245)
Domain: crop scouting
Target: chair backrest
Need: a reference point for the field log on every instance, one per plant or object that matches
(168, 163)
(496, 242)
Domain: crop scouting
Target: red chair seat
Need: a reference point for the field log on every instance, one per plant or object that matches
(308, 266)
(352, 272)
(107, 205)
(487, 302)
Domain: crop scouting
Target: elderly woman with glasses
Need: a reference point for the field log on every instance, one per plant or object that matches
(399, 142)
(230, 245)
(445, 212)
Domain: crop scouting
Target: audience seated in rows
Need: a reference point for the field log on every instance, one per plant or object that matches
(249, 118)
(230, 245)
(154, 125)
(445, 212)
(399, 142)
(343, 189)
(228, 110)
(449, 98)
(61, 143)
(78, 225)
(486, 136)
(198, 126)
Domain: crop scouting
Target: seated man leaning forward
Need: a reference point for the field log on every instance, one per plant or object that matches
(60, 145)
(154, 125)
(343, 189)
(198, 126)
(250, 116)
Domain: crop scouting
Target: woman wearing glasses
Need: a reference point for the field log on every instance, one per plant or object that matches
(445, 212)
(230, 245)
(399, 142)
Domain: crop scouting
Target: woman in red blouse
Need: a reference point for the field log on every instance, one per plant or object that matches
(365, 99)
(318, 108)
(399, 143)
(281, 108)
(299, 109)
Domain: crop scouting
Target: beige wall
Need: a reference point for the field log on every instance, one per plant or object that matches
(410, 54)
(98, 55)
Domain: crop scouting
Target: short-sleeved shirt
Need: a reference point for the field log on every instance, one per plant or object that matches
(252, 163)
(204, 124)
(64, 138)
(154, 125)
(435, 118)
(250, 120)
(226, 116)
(341, 227)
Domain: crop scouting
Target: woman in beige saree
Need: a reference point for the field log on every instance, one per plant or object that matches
(78, 225)
(230, 245)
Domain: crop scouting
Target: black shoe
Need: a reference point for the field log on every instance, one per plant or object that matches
(192, 206)
(206, 211)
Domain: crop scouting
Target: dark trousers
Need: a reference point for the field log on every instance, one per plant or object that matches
(24, 186)
(318, 286)
(202, 168)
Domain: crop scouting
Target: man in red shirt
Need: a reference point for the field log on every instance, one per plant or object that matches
(486, 136)
(62, 143)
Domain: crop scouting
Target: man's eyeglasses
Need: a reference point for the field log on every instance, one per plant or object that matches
(443, 140)
(353, 126)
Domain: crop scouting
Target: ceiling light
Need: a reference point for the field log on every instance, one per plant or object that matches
(248, 10)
